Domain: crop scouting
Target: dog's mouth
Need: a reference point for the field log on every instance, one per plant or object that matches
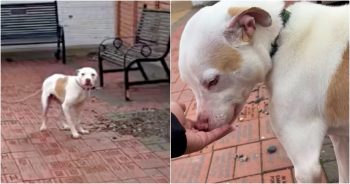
(89, 86)
(205, 126)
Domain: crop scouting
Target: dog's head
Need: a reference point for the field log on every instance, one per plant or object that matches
(87, 77)
(224, 52)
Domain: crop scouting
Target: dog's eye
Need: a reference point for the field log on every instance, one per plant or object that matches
(93, 75)
(213, 82)
(82, 74)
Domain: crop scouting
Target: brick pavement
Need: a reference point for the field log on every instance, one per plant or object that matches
(51, 156)
(217, 162)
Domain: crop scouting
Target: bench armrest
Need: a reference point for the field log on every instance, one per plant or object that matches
(117, 42)
(145, 50)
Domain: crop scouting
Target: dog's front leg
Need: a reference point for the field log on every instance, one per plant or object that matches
(78, 110)
(301, 137)
(341, 149)
(68, 113)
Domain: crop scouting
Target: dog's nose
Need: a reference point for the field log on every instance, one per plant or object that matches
(88, 81)
(202, 122)
(203, 118)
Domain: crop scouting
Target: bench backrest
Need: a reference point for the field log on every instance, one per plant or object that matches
(28, 20)
(154, 28)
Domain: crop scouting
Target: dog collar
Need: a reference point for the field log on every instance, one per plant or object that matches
(84, 88)
(285, 14)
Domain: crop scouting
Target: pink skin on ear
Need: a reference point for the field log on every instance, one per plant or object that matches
(248, 23)
(247, 20)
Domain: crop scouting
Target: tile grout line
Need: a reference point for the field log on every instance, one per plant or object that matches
(278, 169)
(261, 149)
(211, 159)
(292, 174)
(226, 148)
(270, 171)
(246, 143)
(234, 166)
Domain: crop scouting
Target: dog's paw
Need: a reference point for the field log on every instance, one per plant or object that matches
(76, 136)
(65, 127)
(83, 131)
(43, 127)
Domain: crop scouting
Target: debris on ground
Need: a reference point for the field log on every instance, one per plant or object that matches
(143, 123)
(272, 149)
(241, 157)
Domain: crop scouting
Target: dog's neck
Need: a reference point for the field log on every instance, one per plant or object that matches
(285, 14)
(270, 41)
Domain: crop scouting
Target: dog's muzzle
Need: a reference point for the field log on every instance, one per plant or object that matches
(204, 123)
(87, 86)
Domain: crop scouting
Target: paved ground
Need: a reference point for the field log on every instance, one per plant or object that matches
(29, 155)
(217, 162)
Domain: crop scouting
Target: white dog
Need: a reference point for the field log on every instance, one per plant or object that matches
(71, 92)
(225, 50)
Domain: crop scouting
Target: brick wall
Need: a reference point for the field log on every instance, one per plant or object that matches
(127, 14)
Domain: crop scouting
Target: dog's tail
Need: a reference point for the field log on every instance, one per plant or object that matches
(23, 99)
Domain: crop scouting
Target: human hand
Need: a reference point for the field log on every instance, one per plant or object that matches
(197, 140)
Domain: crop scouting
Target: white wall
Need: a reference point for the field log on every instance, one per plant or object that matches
(87, 22)
(198, 2)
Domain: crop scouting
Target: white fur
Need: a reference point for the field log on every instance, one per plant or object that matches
(204, 33)
(311, 49)
(298, 76)
(76, 92)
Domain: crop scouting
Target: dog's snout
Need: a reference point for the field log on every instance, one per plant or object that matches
(202, 122)
(88, 81)
(203, 118)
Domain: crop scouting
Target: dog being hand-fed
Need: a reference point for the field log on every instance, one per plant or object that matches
(71, 92)
(301, 53)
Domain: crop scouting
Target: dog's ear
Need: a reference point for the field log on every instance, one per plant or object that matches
(242, 26)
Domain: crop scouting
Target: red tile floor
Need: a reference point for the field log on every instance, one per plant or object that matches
(29, 155)
(217, 162)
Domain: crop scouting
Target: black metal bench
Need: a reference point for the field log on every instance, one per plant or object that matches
(32, 23)
(151, 44)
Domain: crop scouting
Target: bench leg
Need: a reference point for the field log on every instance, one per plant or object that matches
(62, 39)
(142, 71)
(126, 84)
(58, 51)
(100, 70)
(165, 66)
(63, 51)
